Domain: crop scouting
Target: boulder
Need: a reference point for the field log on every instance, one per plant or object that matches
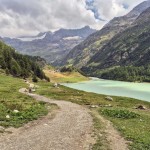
(109, 98)
(141, 107)
(2, 129)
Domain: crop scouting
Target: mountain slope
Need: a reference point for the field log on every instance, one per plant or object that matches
(82, 53)
(20, 65)
(129, 48)
(50, 46)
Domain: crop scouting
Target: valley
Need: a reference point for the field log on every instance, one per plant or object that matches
(52, 46)
(75, 76)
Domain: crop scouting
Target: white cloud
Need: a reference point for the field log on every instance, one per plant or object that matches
(32, 16)
(109, 9)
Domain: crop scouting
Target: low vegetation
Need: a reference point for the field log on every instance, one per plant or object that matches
(20, 65)
(116, 113)
(131, 73)
(132, 123)
(64, 75)
(16, 108)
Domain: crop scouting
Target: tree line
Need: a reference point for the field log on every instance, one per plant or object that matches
(128, 73)
(19, 65)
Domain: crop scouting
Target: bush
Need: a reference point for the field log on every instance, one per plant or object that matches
(34, 79)
(67, 69)
(123, 114)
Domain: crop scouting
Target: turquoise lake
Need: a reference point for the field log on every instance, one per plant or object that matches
(115, 88)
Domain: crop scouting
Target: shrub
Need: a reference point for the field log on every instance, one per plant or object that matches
(34, 79)
(123, 114)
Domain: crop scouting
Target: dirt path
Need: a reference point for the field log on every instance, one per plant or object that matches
(70, 129)
(116, 141)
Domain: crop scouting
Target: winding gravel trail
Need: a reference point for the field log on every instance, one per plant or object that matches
(70, 129)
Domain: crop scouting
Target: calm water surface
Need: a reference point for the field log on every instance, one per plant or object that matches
(116, 88)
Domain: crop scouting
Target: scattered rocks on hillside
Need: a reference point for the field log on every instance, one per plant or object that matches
(7, 116)
(94, 106)
(2, 129)
(25, 90)
(16, 111)
(109, 105)
(31, 85)
(33, 90)
(141, 107)
(109, 98)
(55, 84)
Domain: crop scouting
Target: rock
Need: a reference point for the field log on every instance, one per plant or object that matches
(109, 98)
(28, 82)
(16, 111)
(25, 90)
(2, 129)
(109, 105)
(33, 90)
(31, 85)
(141, 107)
(141, 120)
(30, 90)
(56, 85)
(94, 106)
(8, 117)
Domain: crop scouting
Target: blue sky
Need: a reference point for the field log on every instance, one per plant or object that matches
(90, 6)
(30, 17)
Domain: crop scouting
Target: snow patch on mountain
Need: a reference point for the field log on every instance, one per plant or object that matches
(72, 38)
(27, 39)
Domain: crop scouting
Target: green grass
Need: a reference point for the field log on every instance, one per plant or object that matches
(117, 113)
(133, 124)
(10, 100)
(135, 129)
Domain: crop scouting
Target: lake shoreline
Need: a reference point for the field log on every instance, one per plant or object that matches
(139, 91)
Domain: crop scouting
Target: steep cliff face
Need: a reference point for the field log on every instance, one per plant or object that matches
(130, 47)
(82, 53)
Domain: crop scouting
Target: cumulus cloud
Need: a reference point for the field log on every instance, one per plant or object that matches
(30, 17)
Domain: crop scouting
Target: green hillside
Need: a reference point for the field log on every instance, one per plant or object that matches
(19, 65)
(80, 55)
(129, 48)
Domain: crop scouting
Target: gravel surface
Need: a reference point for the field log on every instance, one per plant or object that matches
(115, 140)
(70, 129)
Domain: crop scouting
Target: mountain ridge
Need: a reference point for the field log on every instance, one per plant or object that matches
(129, 48)
(82, 53)
(52, 46)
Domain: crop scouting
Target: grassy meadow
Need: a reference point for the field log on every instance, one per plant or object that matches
(132, 123)
(70, 77)
(10, 100)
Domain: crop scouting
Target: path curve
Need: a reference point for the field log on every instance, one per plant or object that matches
(70, 129)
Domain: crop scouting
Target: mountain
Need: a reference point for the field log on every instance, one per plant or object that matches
(82, 53)
(128, 48)
(20, 65)
(50, 45)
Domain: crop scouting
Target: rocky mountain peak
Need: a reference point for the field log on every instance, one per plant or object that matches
(125, 21)
(139, 9)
